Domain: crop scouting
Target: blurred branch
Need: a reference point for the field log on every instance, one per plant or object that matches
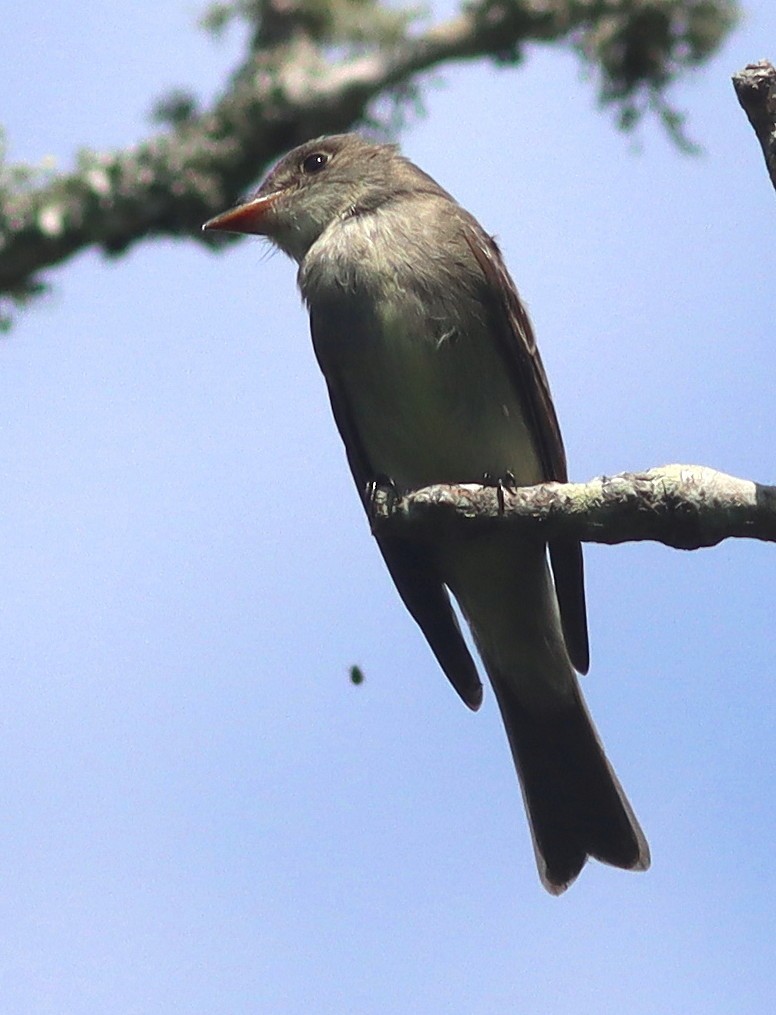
(755, 87)
(315, 67)
(683, 506)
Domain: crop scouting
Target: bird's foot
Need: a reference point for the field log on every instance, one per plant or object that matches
(380, 497)
(501, 483)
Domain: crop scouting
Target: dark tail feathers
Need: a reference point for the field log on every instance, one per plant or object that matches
(576, 806)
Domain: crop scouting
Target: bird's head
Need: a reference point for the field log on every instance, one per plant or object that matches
(314, 185)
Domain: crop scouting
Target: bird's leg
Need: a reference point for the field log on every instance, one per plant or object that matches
(501, 483)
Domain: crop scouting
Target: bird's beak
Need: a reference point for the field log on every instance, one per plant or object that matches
(251, 217)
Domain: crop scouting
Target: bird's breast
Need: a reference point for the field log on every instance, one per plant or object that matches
(425, 382)
(430, 397)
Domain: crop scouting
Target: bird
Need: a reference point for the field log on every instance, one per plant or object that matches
(434, 376)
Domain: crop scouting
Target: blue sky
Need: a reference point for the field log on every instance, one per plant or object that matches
(199, 813)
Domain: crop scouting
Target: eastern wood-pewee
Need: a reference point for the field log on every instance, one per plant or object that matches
(434, 377)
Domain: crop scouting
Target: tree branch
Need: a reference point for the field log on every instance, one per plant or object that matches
(683, 506)
(313, 67)
(755, 87)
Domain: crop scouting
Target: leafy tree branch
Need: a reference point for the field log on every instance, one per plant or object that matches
(319, 66)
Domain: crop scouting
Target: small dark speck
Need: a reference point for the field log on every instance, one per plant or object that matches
(356, 675)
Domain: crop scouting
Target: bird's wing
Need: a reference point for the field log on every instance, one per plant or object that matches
(512, 327)
(412, 568)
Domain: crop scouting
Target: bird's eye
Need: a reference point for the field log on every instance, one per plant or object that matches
(314, 163)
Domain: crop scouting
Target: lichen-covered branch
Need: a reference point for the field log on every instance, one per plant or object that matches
(684, 506)
(318, 66)
(755, 87)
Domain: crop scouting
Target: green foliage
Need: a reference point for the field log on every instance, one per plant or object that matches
(299, 77)
(17, 183)
(331, 22)
(638, 50)
(175, 108)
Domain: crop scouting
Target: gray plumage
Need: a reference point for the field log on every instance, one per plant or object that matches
(434, 377)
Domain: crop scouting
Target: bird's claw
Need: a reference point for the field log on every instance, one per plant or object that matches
(506, 481)
(380, 497)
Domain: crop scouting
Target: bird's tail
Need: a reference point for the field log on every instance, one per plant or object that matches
(575, 804)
